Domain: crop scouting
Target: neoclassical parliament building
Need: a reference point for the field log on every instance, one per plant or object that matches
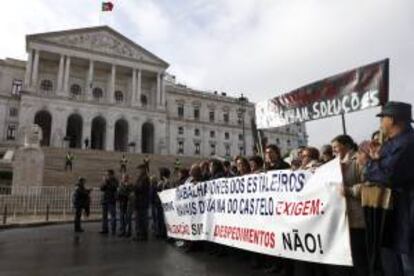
(96, 85)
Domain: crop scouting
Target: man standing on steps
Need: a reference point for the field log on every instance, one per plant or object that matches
(109, 189)
(69, 161)
(147, 163)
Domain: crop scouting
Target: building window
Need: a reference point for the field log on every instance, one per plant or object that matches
(228, 150)
(196, 113)
(180, 130)
(144, 100)
(97, 93)
(212, 134)
(197, 148)
(13, 112)
(180, 147)
(16, 87)
(196, 132)
(240, 137)
(119, 96)
(180, 110)
(226, 135)
(11, 132)
(75, 90)
(46, 85)
(226, 117)
(241, 150)
(211, 116)
(213, 149)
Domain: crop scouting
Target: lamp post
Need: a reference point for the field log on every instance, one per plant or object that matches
(242, 101)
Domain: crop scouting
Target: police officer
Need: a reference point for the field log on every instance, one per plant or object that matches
(141, 190)
(69, 161)
(391, 166)
(81, 201)
(124, 163)
(109, 189)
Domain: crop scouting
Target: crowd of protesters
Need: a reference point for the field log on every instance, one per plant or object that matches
(384, 161)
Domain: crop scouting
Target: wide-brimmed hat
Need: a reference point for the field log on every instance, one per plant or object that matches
(397, 110)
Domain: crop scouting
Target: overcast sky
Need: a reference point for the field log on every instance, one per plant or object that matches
(261, 48)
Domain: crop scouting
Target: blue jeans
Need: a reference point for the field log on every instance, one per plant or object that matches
(109, 208)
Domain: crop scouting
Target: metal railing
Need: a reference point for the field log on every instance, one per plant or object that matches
(44, 203)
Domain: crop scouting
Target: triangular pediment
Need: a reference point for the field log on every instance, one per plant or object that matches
(101, 40)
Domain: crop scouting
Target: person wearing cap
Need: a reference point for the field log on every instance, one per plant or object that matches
(81, 201)
(391, 166)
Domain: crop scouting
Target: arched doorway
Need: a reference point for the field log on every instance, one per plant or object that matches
(74, 131)
(98, 133)
(44, 120)
(121, 135)
(147, 138)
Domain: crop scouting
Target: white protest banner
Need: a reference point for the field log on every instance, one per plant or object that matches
(291, 214)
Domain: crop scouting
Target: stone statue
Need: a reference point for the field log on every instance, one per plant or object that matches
(32, 136)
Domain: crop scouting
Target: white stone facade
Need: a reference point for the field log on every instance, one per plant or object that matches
(95, 84)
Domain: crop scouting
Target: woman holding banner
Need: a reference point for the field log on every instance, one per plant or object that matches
(345, 148)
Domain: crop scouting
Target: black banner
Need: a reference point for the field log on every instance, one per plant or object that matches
(354, 90)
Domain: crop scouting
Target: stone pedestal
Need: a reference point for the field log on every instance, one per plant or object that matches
(29, 162)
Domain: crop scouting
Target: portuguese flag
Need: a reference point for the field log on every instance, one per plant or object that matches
(107, 6)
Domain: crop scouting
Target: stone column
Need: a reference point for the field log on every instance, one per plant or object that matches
(110, 136)
(89, 82)
(67, 75)
(134, 87)
(158, 90)
(35, 69)
(60, 74)
(162, 91)
(28, 74)
(138, 94)
(111, 89)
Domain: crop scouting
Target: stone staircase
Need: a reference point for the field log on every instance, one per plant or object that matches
(92, 164)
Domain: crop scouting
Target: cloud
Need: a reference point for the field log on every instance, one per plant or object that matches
(261, 48)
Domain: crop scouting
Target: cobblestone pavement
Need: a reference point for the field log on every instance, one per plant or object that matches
(56, 250)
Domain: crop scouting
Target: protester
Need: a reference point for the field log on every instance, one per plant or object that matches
(69, 161)
(124, 191)
(158, 212)
(243, 166)
(345, 148)
(391, 167)
(81, 202)
(227, 169)
(273, 159)
(256, 164)
(205, 170)
(326, 154)
(141, 191)
(216, 169)
(109, 189)
(310, 158)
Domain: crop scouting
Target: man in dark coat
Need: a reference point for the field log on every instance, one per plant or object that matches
(141, 190)
(81, 202)
(392, 167)
(274, 159)
(109, 189)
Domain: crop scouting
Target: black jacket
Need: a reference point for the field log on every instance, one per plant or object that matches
(109, 189)
(142, 192)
